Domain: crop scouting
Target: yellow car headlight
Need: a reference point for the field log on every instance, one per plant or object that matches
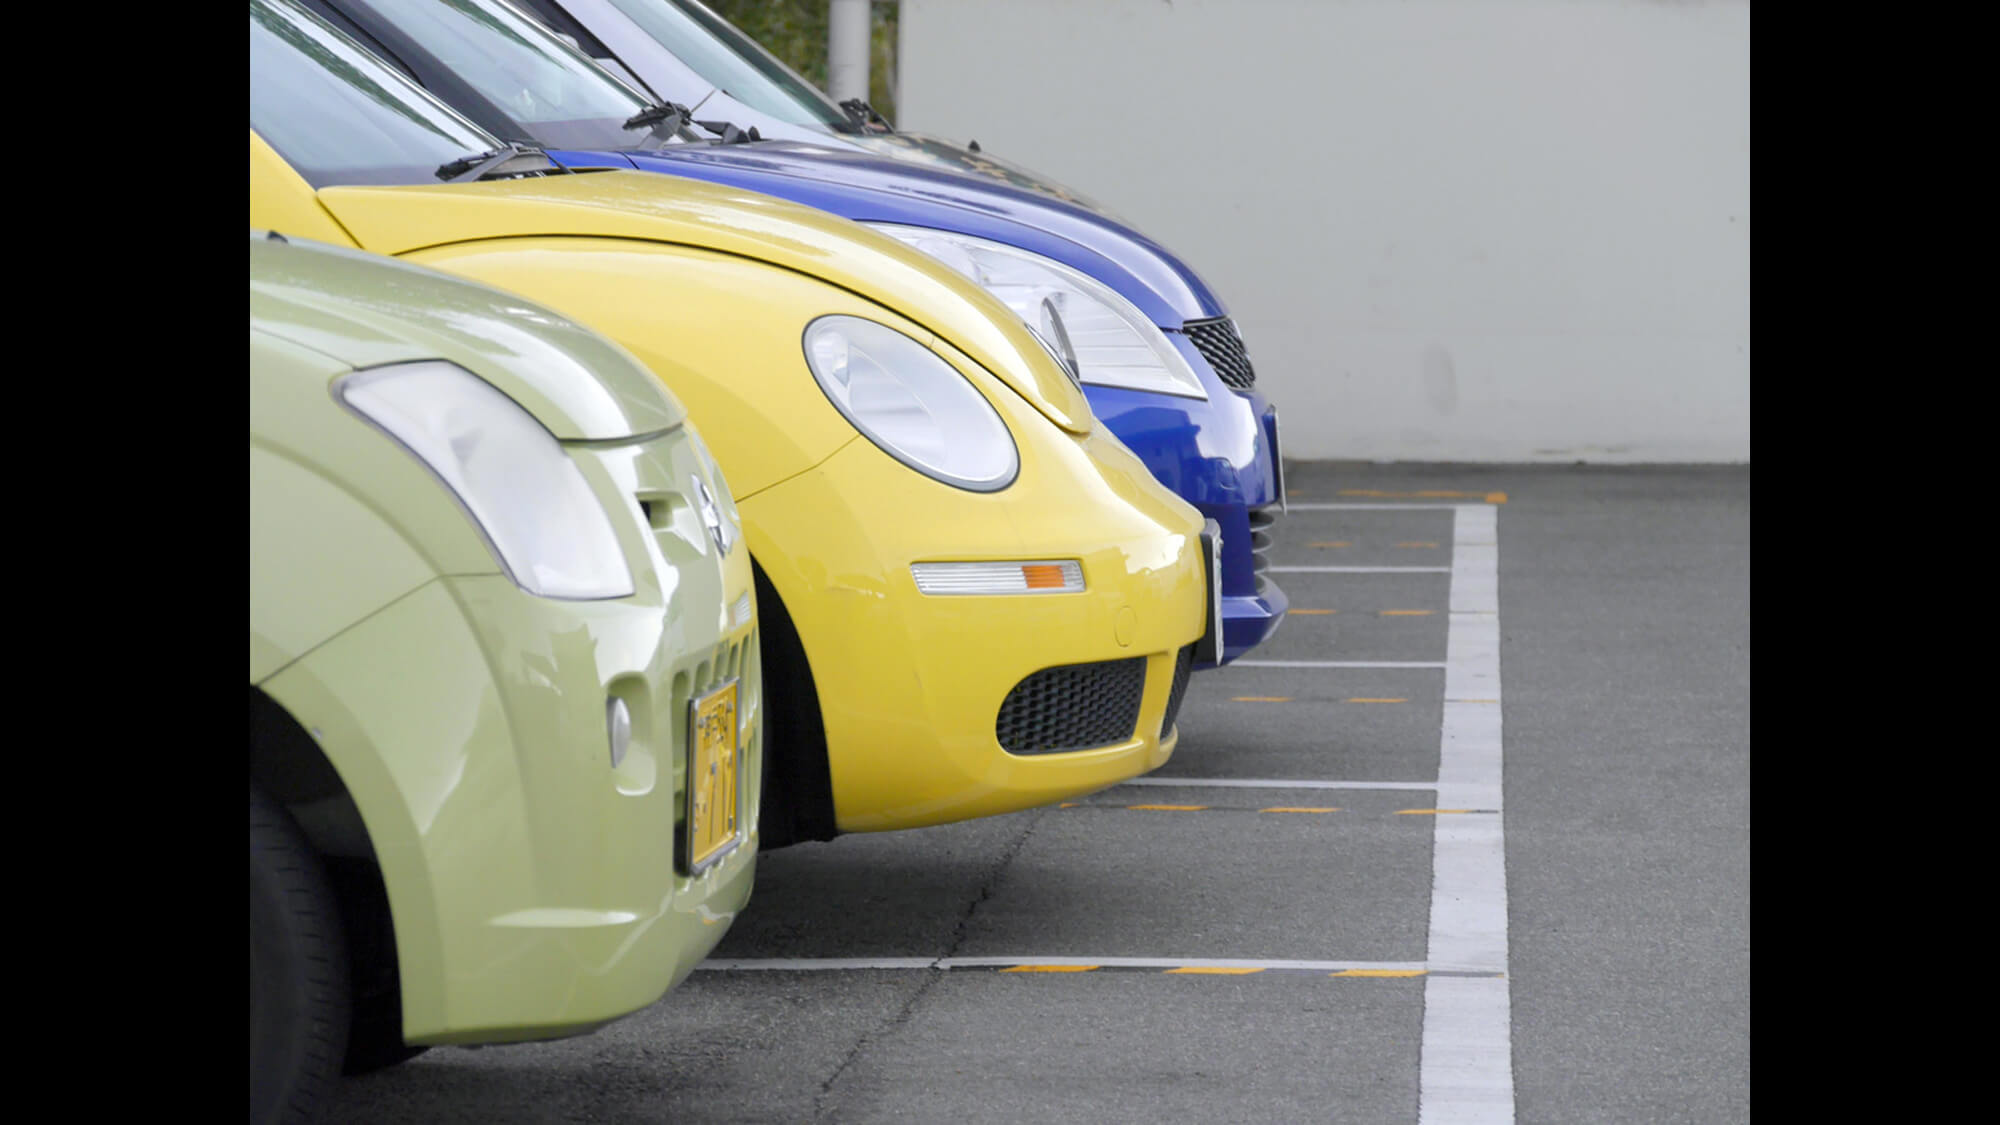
(912, 404)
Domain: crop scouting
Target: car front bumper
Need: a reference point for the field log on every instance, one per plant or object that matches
(1221, 455)
(912, 686)
(537, 890)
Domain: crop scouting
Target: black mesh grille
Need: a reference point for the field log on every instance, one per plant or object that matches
(1223, 348)
(1183, 666)
(1074, 707)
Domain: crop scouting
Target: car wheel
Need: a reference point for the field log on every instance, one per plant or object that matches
(298, 971)
(797, 800)
(376, 1040)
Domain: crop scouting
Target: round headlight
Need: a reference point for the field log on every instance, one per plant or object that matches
(912, 404)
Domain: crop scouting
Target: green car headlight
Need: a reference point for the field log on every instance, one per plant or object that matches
(912, 404)
(1109, 341)
(524, 494)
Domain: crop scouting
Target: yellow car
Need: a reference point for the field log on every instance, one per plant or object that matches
(974, 599)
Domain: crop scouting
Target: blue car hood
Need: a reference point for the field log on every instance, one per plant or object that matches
(868, 188)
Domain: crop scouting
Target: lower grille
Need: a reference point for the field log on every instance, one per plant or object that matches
(1073, 707)
(1261, 522)
(1183, 666)
(1218, 342)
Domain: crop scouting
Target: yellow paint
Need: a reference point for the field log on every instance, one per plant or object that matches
(1336, 543)
(1218, 972)
(1408, 612)
(1070, 805)
(1429, 812)
(711, 287)
(1416, 543)
(1296, 808)
(1049, 969)
(1170, 808)
(1260, 699)
(1379, 973)
(1496, 498)
(1360, 700)
(1309, 612)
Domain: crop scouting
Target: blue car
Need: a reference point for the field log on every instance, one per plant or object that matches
(1158, 356)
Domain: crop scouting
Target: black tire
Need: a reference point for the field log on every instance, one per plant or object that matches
(797, 801)
(375, 986)
(298, 971)
(375, 1039)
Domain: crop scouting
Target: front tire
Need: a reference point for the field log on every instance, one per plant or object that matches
(298, 971)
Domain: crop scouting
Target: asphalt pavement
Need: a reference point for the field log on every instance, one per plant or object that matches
(1212, 946)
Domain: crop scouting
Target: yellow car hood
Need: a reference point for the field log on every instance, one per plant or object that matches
(638, 205)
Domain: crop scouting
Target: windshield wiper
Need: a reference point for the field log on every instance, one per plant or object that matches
(863, 114)
(729, 133)
(480, 165)
(679, 114)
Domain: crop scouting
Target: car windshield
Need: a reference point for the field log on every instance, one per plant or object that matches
(706, 43)
(339, 116)
(550, 89)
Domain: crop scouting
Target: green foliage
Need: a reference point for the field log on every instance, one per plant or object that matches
(795, 31)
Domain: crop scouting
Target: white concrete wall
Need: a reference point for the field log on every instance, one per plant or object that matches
(1449, 229)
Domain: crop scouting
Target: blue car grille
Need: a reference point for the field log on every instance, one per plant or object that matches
(1073, 707)
(1218, 342)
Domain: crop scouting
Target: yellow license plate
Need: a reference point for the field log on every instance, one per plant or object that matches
(713, 810)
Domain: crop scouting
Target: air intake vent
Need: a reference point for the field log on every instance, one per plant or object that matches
(1073, 707)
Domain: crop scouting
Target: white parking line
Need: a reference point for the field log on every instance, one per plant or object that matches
(1358, 569)
(849, 964)
(1272, 783)
(1363, 506)
(1466, 1072)
(1335, 664)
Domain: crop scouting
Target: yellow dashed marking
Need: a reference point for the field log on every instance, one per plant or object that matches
(1408, 612)
(1214, 972)
(1335, 543)
(1069, 805)
(1049, 969)
(1170, 808)
(1496, 498)
(1379, 973)
(1295, 808)
(1260, 699)
(1416, 544)
(1429, 812)
(1309, 612)
(1378, 701)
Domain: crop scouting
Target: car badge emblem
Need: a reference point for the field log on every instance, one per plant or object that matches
(711, 516)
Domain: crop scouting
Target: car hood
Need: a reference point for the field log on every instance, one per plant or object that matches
(921, 188)
(616, 204)
(366, 311)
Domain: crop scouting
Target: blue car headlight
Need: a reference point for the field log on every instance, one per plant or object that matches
(1112, 343)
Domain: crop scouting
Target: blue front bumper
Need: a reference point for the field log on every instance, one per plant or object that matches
(1221, 455)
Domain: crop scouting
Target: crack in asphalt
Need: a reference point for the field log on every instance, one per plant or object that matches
(934, 974)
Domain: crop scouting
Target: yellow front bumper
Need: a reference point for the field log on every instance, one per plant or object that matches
(910, 685)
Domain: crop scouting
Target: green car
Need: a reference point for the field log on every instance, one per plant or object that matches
(505, 730)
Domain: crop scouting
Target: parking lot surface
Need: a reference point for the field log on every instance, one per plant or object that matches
(1468, 840)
